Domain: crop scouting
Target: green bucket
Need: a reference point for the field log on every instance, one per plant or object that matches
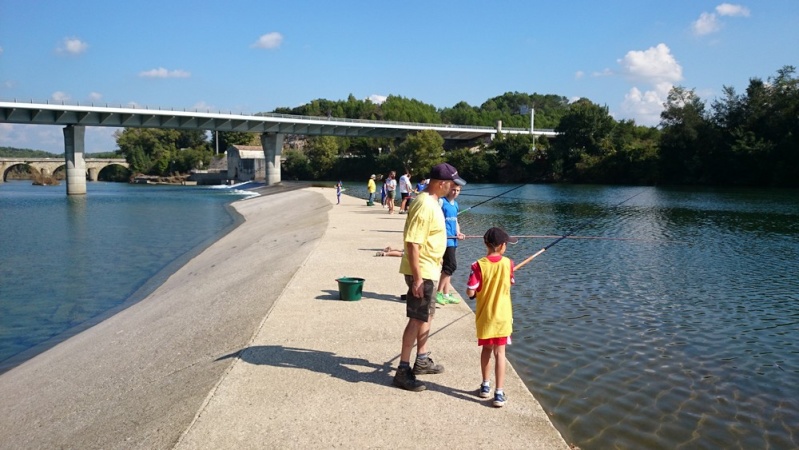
(350, 288)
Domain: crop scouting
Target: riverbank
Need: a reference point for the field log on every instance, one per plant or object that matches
(247, 345)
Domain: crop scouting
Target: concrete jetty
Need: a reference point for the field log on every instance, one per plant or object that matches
(248, 346)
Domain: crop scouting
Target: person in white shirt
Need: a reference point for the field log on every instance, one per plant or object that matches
(405, 188)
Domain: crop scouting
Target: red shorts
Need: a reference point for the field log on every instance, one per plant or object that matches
(494, 341)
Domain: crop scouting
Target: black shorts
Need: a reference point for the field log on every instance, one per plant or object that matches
(449, 264)
(421, 308)
(405, 195)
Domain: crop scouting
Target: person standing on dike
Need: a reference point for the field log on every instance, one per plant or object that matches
(371, 187)
(450, 209)
(490, 281)
(391, 187)
(425, 240)
(405, 191)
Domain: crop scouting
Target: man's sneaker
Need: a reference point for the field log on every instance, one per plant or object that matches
(426, 366)
(484, 391)
(499, 399)
(440, 299)
(451, 299)
(405, 379)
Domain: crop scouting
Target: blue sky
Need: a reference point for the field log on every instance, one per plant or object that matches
(246, 56)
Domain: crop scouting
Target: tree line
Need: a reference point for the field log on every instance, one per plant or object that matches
(747, 139)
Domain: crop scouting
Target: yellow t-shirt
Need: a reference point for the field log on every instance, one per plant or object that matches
(494, 312)
(425, 226)
(370, 186)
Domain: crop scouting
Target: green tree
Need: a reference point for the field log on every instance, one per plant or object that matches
(584, 138)
(156, 151)
(322, 152)
(683, 123)
(297, 166)
(420, 152)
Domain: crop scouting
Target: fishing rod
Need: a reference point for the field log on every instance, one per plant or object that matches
(550, 236)
(492, 198)
(574, 230)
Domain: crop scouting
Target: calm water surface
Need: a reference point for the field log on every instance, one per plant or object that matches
(687, 337)
(66, 262)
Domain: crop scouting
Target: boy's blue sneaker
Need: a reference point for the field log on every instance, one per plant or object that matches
(484, 391)
(499, 399)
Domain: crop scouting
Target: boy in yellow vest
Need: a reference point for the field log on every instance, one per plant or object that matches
(490, 281)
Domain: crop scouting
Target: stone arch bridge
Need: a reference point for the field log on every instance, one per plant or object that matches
(48, 166)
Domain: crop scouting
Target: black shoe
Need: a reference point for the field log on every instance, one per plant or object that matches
(405, 379)
(426, 366)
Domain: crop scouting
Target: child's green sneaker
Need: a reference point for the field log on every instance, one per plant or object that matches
(440, 299)
(451, 299)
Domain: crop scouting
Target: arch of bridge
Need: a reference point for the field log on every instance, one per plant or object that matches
(49, 166)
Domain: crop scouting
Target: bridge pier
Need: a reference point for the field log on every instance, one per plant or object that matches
(74, 139)
(272, 144)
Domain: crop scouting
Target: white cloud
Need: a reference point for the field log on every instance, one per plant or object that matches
(95, 96)
(1, 50)
(658, 70)
(377, 99)
(653, 65)
(727, 9)
(73, 46)
(709, 22)
(269, 41)
(706, 24)
(59, 96)
(163, 73)
(579, 74)
(604, 73)
(202, 106)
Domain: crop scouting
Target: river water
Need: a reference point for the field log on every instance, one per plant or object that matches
(686, 335)
(679, 329)
(68, 262)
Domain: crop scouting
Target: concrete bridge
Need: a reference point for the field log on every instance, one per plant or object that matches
(272, 127)
(48, 166)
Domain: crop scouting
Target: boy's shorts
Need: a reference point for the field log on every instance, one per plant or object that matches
(423, 308)
(449, 263)
(494, 341)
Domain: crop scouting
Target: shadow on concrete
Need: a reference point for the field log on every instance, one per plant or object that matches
(351, 370)
(333, 294)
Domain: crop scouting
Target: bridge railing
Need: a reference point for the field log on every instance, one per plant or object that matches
(290, 116)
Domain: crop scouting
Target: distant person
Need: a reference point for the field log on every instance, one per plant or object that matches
(490, 281)
(390, 251)
(405, 191)
(338, 192)
(421, 185)
(371, 187)
(449, 206)
(382, 191)
(425, 240)
(391, 186)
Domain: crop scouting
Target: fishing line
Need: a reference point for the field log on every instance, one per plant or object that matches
(601, 238)
(492, 198)
(574, 230)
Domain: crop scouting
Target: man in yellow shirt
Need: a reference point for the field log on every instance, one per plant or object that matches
(425, 240)
(371, 187)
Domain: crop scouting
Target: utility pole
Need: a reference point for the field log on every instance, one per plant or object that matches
(532, 125)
